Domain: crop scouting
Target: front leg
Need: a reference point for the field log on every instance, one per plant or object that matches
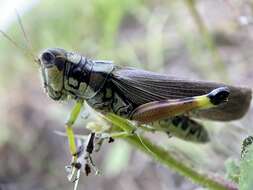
(69, 130)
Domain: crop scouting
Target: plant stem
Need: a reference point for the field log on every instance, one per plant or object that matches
(165, 158)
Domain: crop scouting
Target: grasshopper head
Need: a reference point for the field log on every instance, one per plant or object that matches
(53, 62)
(68, 74)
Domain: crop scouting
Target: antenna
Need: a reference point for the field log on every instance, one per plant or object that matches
(28, 48)
(28, 42)
(12, 41)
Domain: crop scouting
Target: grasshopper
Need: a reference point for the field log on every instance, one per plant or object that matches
(142, 96)
(137, 95)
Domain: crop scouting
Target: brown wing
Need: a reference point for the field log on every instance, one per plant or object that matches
(141, 87)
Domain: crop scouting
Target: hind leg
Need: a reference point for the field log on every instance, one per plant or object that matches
(159, 110)
(184, 128)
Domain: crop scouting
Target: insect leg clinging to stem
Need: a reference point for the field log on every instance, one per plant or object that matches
(69, 130)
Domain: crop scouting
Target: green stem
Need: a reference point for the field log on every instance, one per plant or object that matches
(165, 158)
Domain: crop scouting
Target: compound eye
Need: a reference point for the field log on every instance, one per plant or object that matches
(48, 57)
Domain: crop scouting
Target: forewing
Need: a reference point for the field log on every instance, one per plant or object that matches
(141, 87)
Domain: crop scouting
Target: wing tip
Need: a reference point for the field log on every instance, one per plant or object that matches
(237, 106)
(245, 97)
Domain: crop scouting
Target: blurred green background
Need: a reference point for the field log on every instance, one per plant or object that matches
(204, 39)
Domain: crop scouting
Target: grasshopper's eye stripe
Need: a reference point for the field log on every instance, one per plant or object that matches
(48, 57)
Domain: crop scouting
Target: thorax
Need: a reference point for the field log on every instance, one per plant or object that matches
(86, 78)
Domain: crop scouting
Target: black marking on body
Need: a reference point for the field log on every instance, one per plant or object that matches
(193, 131)
(176, 120)
(219, 95)
(101, 101)
(79, 72)
(191, 127)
